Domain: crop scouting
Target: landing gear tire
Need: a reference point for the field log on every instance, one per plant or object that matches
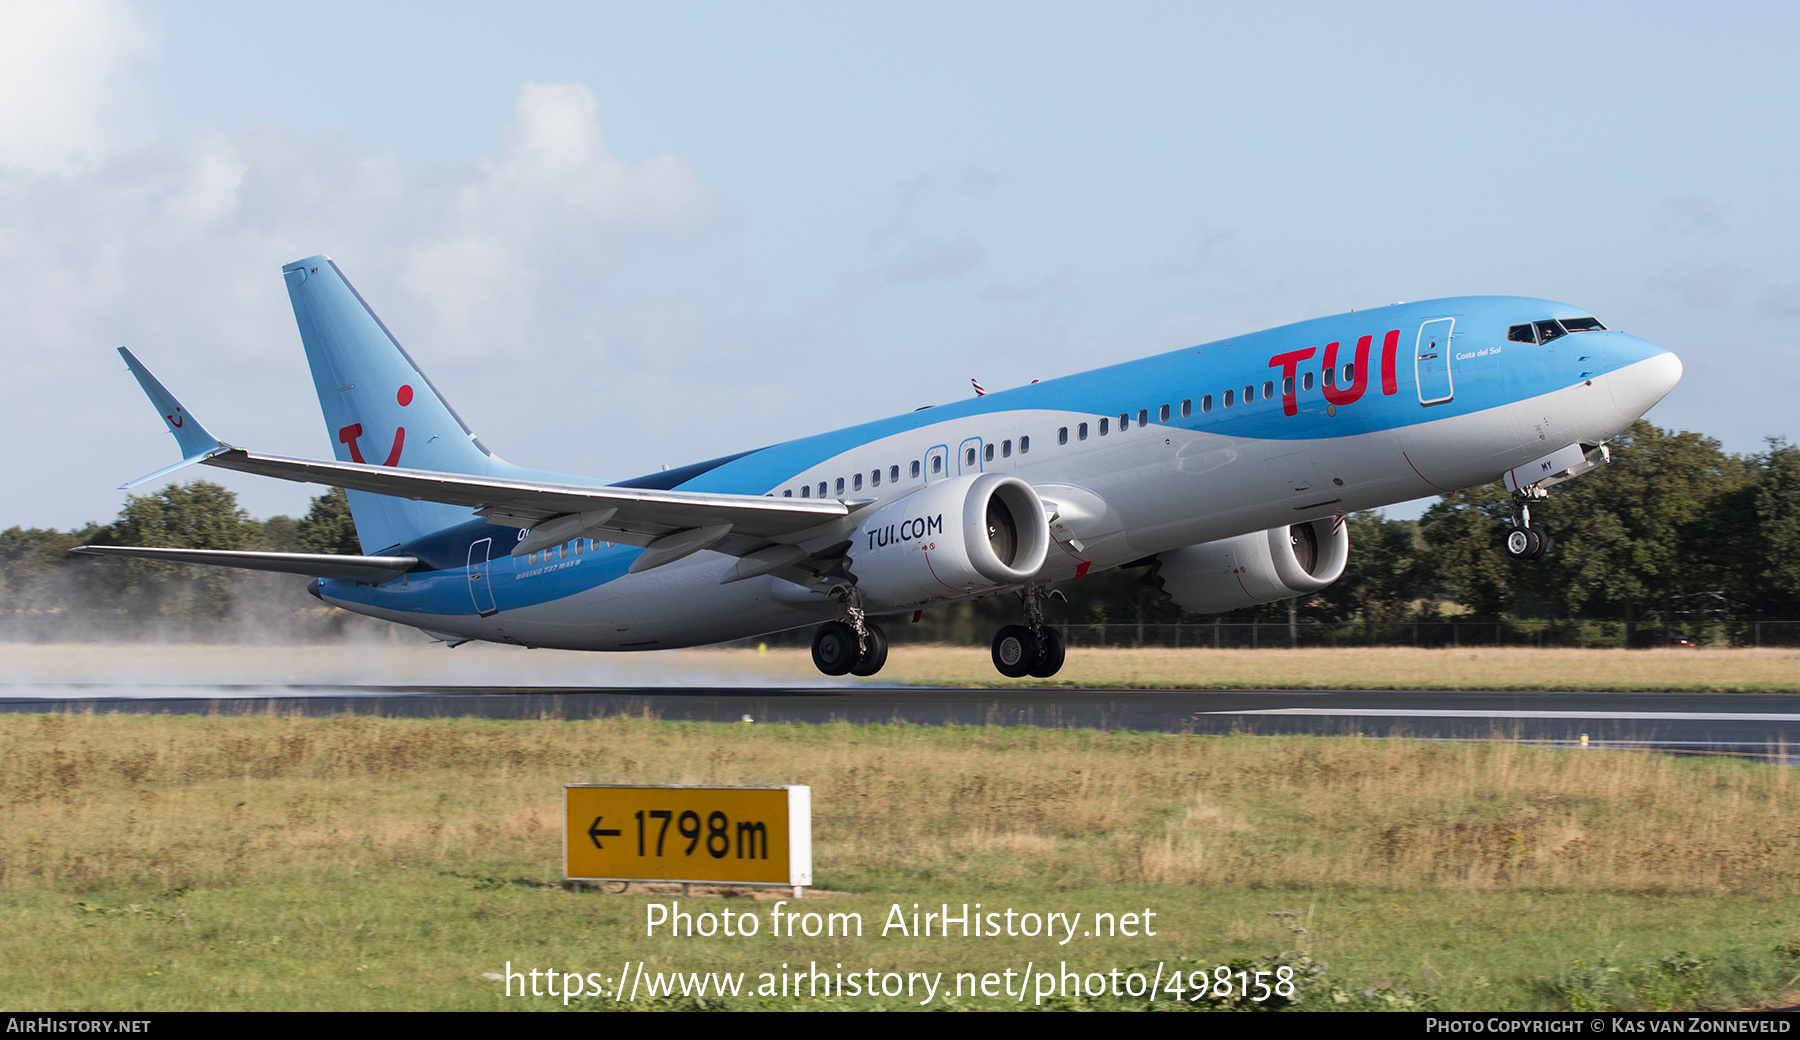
(874, 651)
(1016, 651)
(834, 648)
(1050, 654)
(1528, 543)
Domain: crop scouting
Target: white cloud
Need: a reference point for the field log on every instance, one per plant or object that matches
(506, 260)
(1695, 215)
(64, 70)
(935, 259)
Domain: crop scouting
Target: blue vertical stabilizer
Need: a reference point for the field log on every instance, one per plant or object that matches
(379, 407)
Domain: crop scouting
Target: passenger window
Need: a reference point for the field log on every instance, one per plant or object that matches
(969, 457)
(578, 546)
(1268, 389)
(1081, 432)
(987, 453)
(875, 478)
(1349, 375)
(1548, 330)
(856, 482)
(1521, 334)
(1162, 414)
(1006, 449)
(937, 464)
(821, 489)
(1205, 404)
(787, 492)
(1024, 445)
(1187, 408)
(1249, 394)
(1062, 435)
(1330, 377)
(806, 492)
(1287, 386)
(1583, 325)
(1103, 423)
(1306, 381)
(562, 551)
(1124, 423)
(894, 473)
(915, 469)
(1229, 398)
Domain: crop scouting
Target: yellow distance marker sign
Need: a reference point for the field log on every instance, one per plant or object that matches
(744, 835)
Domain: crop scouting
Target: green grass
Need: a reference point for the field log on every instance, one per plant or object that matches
(267, 862)
(400, 939)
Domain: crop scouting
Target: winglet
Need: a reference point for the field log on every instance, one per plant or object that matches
(196, 443)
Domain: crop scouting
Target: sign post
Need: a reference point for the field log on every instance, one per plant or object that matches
(688, 834)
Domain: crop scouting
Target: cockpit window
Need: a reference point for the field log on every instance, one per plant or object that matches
(1583, 325)
(1548, 330)
(1521, 334)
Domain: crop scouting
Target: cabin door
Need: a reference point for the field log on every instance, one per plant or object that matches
(481, 590)
(1431, 361)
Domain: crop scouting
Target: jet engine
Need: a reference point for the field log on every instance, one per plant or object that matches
(951, 540)
(1232, 573)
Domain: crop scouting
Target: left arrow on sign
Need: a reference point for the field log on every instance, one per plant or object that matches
(596, 833)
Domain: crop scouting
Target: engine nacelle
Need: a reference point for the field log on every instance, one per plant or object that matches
(1233, 573)
(951, 540)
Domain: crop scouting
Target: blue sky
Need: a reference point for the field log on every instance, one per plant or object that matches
(619, 236)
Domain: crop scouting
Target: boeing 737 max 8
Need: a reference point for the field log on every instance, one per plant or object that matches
(1229, 466)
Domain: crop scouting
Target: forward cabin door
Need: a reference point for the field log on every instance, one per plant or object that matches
(481, 590)
(1431, 361)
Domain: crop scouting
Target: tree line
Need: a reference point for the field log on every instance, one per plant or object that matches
(1674, 532)
(41, 582)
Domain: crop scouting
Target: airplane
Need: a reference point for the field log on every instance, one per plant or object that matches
(1229, 468)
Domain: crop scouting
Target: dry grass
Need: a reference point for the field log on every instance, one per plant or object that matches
(1762, 670)
(267, 862)
(1484, 668)
(90, 801)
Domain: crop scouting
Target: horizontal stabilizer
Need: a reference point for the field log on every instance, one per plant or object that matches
(375, 569)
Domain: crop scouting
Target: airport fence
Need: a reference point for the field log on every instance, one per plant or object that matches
(1216, 633)
(1258, 633)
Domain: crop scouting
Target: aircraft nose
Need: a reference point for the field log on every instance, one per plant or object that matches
(1638, 386)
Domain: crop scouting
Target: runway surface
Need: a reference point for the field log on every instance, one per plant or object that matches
(1755, 725)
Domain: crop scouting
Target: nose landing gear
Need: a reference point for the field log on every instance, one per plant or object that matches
(1525, 542)
(1033, 648)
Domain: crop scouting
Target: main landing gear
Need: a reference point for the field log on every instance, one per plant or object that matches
(1033, 648)
(1525, 542)
(856, 646)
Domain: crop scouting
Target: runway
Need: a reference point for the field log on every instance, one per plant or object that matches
(1765, 726)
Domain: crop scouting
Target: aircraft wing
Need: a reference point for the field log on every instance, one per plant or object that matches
(766, 532)
(666, 522)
